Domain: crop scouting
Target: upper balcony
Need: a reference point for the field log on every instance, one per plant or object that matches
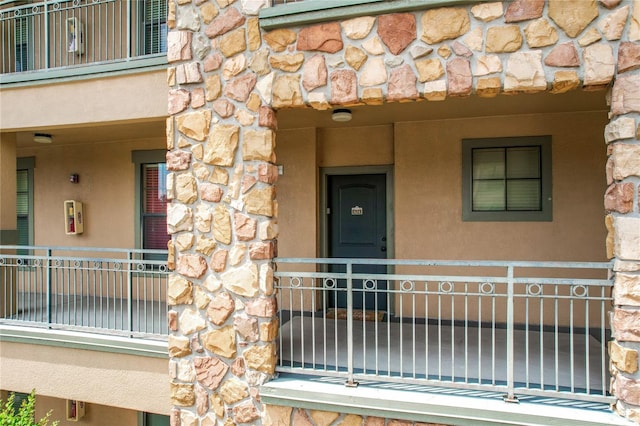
(59, 38)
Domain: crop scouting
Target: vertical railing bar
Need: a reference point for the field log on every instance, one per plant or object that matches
(302, 321)
(47, 41)
(388, 337)
(526, 334)
(48, 283)
(466, 331)
(291, 342)
(493, 339)
(364, 326)
(426, 330)
(350, 381)
(453, 328)
(313, 321)
(571, 339)
(480, 331)
(401, 329)
(129, 29)
(510, 334)
(541, 332)
(376, 329)
(587, 346)
(325, 304)
(413, 329)
(556, 335)
(439, 331)
(603, 340)
(129, 291)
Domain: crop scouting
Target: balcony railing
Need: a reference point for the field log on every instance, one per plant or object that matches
(40, 35)
(522, 328)
(108, 291)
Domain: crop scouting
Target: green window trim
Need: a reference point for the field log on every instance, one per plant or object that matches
(313, 11)
(141, 159)
(535, 177)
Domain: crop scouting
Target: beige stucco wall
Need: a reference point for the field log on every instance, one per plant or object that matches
(115, 380)
(427, 192)
(130, 97)
(95, 414)
(106, 189)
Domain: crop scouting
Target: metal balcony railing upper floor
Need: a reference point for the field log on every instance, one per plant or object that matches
(48, 34)
(92, 290)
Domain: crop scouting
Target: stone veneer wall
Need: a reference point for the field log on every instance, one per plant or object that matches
(228, 76)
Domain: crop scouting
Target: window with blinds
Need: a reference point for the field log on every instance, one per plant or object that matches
(22, 206)
(155, 26)
(507, 179)
(154, 206)
(21, 45)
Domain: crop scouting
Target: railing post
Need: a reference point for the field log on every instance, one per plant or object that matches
(49, 285)
(129, 28)
(130, 292)
(350, 381)
(510, 397)
(47, 54)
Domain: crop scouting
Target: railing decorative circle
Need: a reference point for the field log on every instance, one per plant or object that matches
(57, 263)
(2, 260)
(295, 282)
(534, 289)
(445, 286)
(407, 285)
(369, 284)
(20, 262)
(487, 288)
(141, 267)
(117, 266)
(97, 264)
(37, 262)
(579, 290)
(329, 283)
(163, 268)
(77, 263)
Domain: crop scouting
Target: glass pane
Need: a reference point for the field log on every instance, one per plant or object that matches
(154, 197)
(154, 232)
(22, 204)
(22, 182)
(156, 420)
(488, 195)
(23, 230)
(488, 163)
(523, 162)
(523, 195)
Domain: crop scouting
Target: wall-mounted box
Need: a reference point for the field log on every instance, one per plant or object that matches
(75, 410)
(75, 36)
(73, 217)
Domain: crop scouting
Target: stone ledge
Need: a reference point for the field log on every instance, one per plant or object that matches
(449, 409)
(86, 341)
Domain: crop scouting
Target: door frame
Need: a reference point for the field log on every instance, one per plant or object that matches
(386, 170)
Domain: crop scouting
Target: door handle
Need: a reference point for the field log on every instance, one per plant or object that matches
(383, 248)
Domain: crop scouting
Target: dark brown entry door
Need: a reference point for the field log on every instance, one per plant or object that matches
(358, 229)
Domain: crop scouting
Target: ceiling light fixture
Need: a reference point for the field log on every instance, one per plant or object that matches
(341, 115)
(42, 138)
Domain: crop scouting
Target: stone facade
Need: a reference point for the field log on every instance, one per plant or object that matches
(226, 78)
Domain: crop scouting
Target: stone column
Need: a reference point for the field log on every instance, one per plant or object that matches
(221, 155)
(622, 202)
(8, 214)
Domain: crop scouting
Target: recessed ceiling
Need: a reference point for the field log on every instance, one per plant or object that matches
(471, 106)
(96, 133)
